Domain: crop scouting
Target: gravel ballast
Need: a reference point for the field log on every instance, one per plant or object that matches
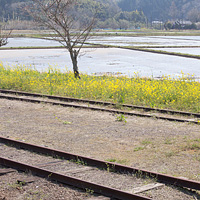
(155, 145)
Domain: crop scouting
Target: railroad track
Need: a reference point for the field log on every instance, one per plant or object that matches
(125, 109)
(86, 173)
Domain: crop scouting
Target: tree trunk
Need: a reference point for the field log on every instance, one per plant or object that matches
(74, 56)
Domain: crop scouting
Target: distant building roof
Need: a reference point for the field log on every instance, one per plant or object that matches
(157, 22)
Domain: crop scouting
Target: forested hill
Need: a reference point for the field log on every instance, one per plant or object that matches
(118, 13)
(12, 8)
(107, 12)
(162, 9)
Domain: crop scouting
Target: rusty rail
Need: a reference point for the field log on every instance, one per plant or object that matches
(107, 191)
(99, 109)
(104, 165)
(70, 99)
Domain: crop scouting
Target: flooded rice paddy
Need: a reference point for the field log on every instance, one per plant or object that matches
(31, 42)
(148, 40)
(110, 60)
(115, 40)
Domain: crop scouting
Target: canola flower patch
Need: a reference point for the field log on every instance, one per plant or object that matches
(179, 94)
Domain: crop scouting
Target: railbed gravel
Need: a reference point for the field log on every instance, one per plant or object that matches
(155, 145)
(104, 177)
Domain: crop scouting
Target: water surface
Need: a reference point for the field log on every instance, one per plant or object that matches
(112, 60)
(115, 40)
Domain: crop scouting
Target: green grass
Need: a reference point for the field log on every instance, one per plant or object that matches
(122, 162)
(121, 118)
(134, 33)
(191, 145)
(138, 148)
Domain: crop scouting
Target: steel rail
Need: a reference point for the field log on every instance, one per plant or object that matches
(107, 191)
(99, 109)
(181, 182)
(70, 99)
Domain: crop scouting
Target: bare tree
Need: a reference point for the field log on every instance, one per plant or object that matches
(4, 35)
(62, 18)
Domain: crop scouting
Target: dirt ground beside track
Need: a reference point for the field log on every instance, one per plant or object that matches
(156, 145)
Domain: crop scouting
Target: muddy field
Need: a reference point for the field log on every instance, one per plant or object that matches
(161, 146)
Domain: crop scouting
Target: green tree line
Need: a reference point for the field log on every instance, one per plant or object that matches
(121, 14)
(163, 9)
(107, 12)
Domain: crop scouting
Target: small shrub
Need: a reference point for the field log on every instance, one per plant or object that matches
(121, 118)
(138, 148)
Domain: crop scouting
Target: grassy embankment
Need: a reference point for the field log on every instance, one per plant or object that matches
(139, 32)
(164, 52)
(136, 48)
(179, 94)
